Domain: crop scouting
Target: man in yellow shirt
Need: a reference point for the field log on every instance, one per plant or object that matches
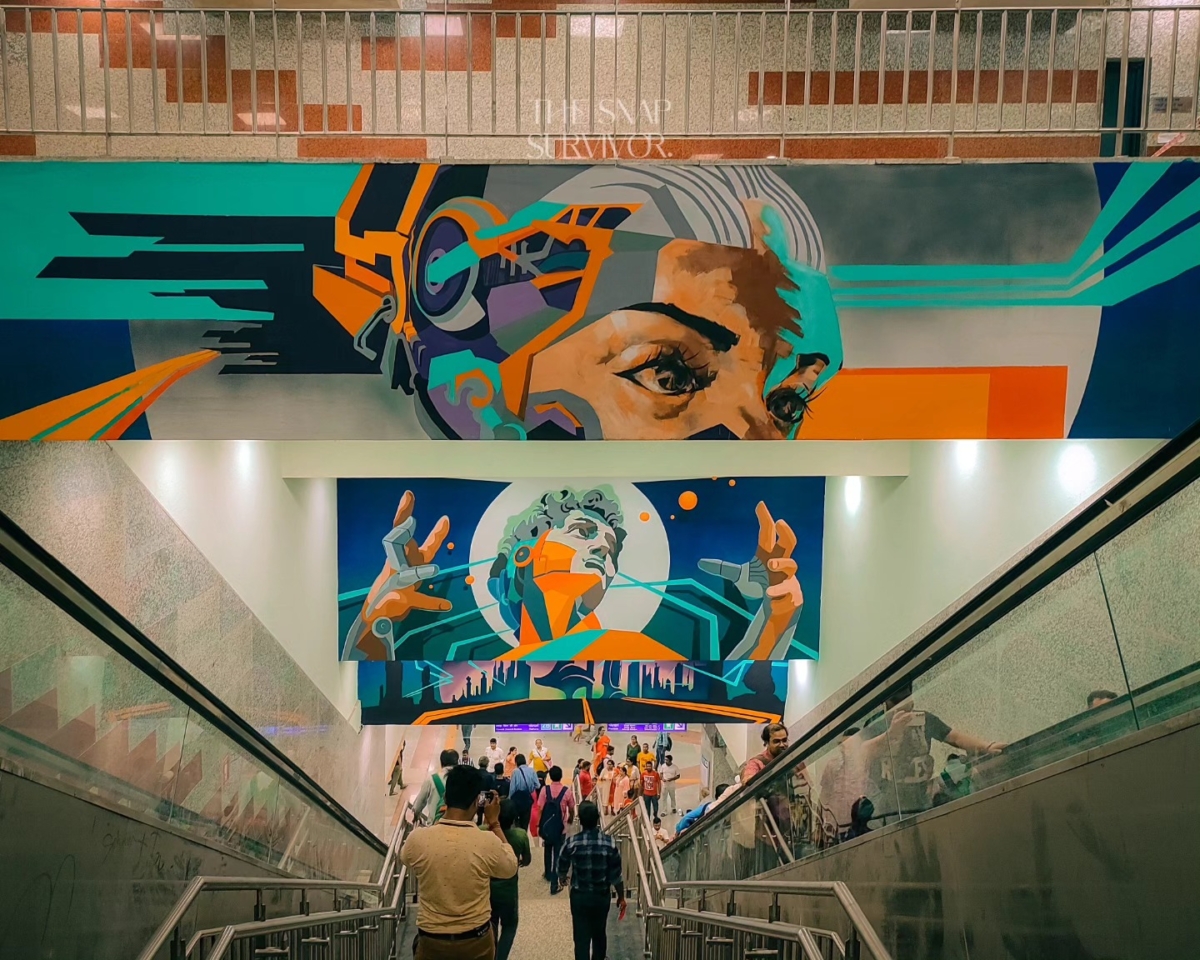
(646, 756)
(454, 864)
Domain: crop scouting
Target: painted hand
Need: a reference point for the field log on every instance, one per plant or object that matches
(396, 591)
(776, 541)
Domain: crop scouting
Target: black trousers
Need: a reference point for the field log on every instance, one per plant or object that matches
(589, 924)
(550, 852)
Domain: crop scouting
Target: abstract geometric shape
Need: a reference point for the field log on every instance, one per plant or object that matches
(105, 411)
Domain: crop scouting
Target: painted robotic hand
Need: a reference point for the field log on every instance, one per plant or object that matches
(396, 591)
(770, 575)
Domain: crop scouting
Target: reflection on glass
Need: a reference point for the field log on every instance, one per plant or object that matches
(1111, 645)
(75, 712)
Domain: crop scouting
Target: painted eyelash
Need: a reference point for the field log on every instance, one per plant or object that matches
(703, 377)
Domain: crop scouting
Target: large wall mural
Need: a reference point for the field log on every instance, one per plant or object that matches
(586, 691)
(607, 302)
(711, 570)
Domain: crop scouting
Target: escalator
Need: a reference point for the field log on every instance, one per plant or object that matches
(1021, 780)
(130, 794)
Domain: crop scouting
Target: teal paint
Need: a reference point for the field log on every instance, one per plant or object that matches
(37, 199)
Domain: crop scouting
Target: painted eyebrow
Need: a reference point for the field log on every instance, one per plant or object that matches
(721, 337)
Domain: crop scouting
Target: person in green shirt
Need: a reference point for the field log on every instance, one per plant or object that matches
(504, 892)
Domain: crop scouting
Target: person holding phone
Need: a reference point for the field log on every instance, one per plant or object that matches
(591, 863)
(454, 864)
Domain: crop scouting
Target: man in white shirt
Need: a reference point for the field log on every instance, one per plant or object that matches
(494, 754)
(661, 837)
(454, 864)
(669, 774)
(429, 797)
(541, 757)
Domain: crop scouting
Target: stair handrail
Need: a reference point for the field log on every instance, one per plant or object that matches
(389, 880)
(654, 889)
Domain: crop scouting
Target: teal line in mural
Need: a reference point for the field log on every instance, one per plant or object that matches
(1074, 282)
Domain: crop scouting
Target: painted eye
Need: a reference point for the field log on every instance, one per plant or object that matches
(787, 406)
(668, 374)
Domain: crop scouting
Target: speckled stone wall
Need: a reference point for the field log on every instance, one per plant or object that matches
(81, 502)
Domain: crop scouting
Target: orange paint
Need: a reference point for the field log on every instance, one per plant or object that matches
(941, 404)
(688, 500)
(468, 579)
(644, 517)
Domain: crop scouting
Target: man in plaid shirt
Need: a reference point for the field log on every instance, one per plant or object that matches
(594, 864)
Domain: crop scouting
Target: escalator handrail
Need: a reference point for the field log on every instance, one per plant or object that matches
(645, 849)
(1113, 509)
(52, 579)
(199, 885)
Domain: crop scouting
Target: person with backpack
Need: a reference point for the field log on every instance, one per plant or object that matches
(523, 784)
(662, 746)
(428, 804)
(553, 811)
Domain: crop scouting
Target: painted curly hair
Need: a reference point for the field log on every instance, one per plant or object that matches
(549, 511)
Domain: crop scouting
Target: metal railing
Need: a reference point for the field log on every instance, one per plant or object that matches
(474, 81)
(370, 930)
(679, 924)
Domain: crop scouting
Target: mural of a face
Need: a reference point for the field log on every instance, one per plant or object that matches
(593, 544)
(695, 358)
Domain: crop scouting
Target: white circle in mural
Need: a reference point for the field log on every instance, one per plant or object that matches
(645, 554)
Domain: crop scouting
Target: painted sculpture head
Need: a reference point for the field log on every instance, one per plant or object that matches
(557, 561)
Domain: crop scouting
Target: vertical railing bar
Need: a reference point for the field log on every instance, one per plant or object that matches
(978, 66)
(1101, 69)
(662, 77)
(543, 71)
(929, 75)
(833, 52)
(446, 77)
(228, 71)
(1122, 89)
(858, 28)
(762, 67)
(275, 78)
(712, 76)
(470, 73)
(1025, 70)
(1050, 69)
(493, 72)
(907, 65)
(1196, 74)
(399, 74)
(4, 70)
(687, 73)
(737, 70)
(1149, 68)
(374, 77)
(1171, 70)
(637, 76)
(105, 64)
(178, 72)
(592, 78)
(517, 70)
(882, 78)
(324, 74)
(253, 73)
(153, 68)
(1075, 68)
(783, 85)
(1003, 62)
(29, 66)
(204, 72)
(54, 67)
(82, 73)
(300, 125)
(955, 37)
(350, 98)
(808, 54)
(128, 64)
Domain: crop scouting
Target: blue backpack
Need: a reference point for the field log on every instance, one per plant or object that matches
(551, 827)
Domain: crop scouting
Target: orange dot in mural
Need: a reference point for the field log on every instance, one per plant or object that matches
(716, 478)
(672, 516)
(468, 579)
(450, 546)
(644, 517)
(733, 483)
(688, 500)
